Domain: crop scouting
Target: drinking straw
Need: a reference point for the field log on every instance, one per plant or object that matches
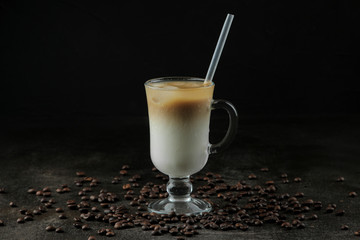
(219, 47)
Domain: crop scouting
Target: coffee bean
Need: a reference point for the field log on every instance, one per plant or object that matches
(313, 217)
(156, 233)
(20, 220)
(126, 186)
(252, 176)
(340, 212)
(264, 169)
(2, 190)
(62, 216)
(188, 234)
(50, 228)
(91, 238)
(286, 225)
(270, 182)
(285, 181)
(46, 189)
(330, 209)
(85, 227)
(284, 175)
(357, 233)
(31, 191)
(344, 227)
(340, 179)
(77, 224)
(352, 194)
(59, 210)
(125, 167)
(28, 218)
(59, 230)
(80, 174)
(299, 194)
(297, 179)
(12, 204)
(123, 172)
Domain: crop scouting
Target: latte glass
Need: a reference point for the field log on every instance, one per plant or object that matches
(179, 118)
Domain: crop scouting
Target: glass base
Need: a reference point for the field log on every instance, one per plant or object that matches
(193, 206)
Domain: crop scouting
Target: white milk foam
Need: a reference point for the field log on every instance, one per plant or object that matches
(179, 117)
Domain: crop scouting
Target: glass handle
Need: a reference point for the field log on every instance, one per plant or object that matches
(233, 124)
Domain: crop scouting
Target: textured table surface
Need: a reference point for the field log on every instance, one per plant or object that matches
(48, 152)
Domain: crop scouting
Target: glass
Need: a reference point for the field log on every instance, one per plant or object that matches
(179, 118)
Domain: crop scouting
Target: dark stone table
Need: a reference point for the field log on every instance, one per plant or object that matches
(46, 152)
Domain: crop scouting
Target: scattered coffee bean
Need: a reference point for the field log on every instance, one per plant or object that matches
(62, 216)
(252, 176)
(50, 228)
(286, 225)
(357, 233)
(344, 227)
(297, 179)
(91, 238)
(264, 169)
(12, 204)
(123, 172)
(110, 234)
(31, 191)
(340, 179)
(2, 223)
(340, 212)
(28, 218)
(352, 194)
(85, 227)
(59, 230)
(59, 210)
(313, 217)
(2, 190)
(80, 174)
(20, 220)
(284, 175)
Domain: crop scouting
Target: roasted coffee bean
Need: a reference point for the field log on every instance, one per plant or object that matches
(42, 209)
(352, 194)
(313, 217)
(28, 218)
(36, 212)
(252, 176)
(91, 238)
(48, 205)
(297, 179)
(285, 181)
(244, 227)
(12, 204)
(340, 212)
(344, 227)
(59, 210)
(357, 233)
(50, 228)
(299, 194)
(156, 233)
(46, 189)
(2, 190)
(2, 223)
(77, 224)
(80, 174)
(85, 227)
(286, 225)
(340, 179)
(330, 209)
(270, 182)
(31, 191)
(62, 216)
(101, 231)
(123, 172)
(59, 230)
(20, 220)
(188, 234)
(110, 234)
(284, 175)
(264, 169)
(125, 167)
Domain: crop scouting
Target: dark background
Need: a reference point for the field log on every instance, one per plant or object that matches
(91, 58)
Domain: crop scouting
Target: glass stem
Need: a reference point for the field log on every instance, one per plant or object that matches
(179, 189)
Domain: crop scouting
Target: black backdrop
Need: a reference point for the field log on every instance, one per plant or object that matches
(91, 58)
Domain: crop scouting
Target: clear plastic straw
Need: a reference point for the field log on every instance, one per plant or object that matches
(219, 47)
